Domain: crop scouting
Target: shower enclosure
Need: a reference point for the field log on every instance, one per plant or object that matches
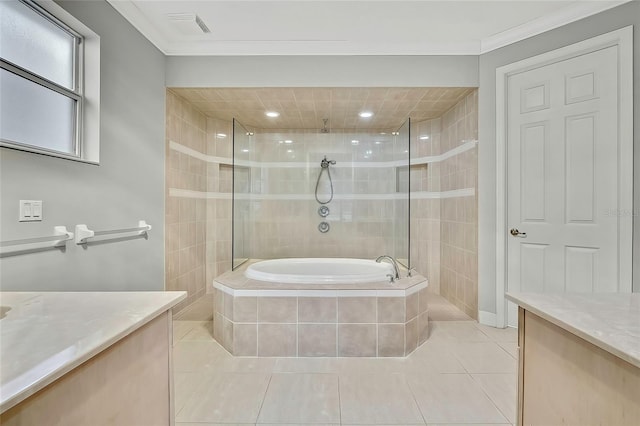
(275, 210)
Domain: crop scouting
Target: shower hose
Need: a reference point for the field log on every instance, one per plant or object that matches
(322, 169)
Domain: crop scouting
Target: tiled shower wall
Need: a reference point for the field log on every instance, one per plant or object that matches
(459, 215)
(219, 188)
(443, 220)
(425, 211)
(445, 229)
(198, 231)
(284, 222)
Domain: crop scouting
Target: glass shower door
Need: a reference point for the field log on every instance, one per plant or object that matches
(401, 156)
(241, 204)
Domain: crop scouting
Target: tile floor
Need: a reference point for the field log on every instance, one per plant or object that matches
(464, 374)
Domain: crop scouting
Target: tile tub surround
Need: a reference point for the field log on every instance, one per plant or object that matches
(257, 318)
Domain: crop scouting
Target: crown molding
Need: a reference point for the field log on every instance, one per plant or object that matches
(565, 16)
(319, 48)
(572, 13)
(131, 13)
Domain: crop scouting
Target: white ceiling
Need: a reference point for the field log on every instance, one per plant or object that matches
(307, 27)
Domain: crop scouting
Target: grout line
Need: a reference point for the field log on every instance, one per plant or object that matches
(264, 397)
(339, 399)
(489, 396)
(415, 399)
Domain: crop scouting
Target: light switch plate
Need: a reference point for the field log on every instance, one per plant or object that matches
(30, 211)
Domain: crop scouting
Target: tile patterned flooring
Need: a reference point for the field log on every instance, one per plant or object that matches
(464, 374)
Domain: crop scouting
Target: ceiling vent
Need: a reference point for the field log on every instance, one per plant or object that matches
(188, 23)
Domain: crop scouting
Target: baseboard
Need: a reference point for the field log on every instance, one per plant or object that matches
(487, 318)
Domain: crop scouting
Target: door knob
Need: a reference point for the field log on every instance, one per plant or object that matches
(517, 233)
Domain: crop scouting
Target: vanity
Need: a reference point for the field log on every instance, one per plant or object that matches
(579, 359)
(86, 358)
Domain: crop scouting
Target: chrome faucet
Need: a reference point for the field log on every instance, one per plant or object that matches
(393, 262)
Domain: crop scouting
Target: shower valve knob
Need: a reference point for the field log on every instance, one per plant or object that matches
(323, 227)
(323, 211)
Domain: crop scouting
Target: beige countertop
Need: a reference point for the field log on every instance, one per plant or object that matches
(45, 335)
(609, 321)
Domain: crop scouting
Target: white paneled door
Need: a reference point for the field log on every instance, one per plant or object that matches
(562, 140)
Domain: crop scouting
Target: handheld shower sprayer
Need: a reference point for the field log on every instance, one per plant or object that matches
(324, 165)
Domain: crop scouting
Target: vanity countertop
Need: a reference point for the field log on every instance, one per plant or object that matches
(609, 321)
(44, 335)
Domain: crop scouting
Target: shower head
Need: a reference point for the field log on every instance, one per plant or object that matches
(324, 127)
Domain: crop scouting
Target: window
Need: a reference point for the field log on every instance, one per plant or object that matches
(42, 93)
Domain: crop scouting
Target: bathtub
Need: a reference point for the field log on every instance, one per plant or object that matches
(319, 271)
(327, 307)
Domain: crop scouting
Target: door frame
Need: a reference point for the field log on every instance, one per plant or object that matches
(623, 39)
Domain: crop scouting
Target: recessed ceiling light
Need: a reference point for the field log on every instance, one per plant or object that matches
(280, 141)
(369, 152)
(288, 142)
(221, 135)
(355, 142)
(289, 151)
(382, 133)
(245, 150)
(366, 114)
(272, 114)
(377, 142)
(424, 137)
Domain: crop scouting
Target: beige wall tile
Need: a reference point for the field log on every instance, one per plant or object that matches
(317, 309)
(278, 309)
(228, 306)
(356, 309)
(227, 334)
(357, 340)
(245, 309)
(277, 339)
(217, 327)
(423, 327)
(411, 336)
(391, 340)
(317, 340)
(245, 339)
(413, 306)
(391, 309)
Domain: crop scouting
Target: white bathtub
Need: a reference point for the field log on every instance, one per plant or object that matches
(319, 271)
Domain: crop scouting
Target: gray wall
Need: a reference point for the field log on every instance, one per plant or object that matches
(128, 185)
(322, 71)
(621, 16)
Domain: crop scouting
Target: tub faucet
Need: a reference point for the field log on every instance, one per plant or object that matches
(393, 262)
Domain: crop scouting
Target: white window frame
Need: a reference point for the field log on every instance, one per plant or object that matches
(86, 85)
